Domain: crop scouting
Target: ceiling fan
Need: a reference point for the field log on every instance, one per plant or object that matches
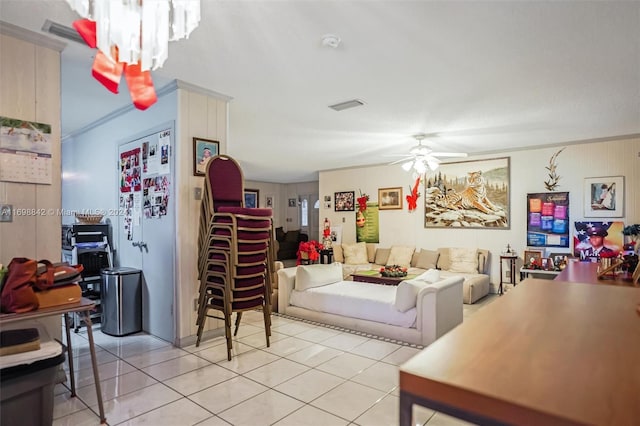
(422, 158)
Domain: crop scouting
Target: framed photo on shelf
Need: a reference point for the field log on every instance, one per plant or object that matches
(345, 201)
(390, 198)
(604, 196)
(532, 254)
(203, 151)
(251, 197)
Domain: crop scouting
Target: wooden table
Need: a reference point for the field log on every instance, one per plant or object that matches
(587, 272)
(84, 308)
(547, 352)
(375, 277)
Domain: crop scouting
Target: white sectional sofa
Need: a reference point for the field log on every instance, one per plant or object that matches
(370, 256)
(318, 293)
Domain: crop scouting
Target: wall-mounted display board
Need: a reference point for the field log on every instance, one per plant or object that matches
(25, 151)
(548, 219)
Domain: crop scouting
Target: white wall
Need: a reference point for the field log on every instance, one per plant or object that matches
(528, 173)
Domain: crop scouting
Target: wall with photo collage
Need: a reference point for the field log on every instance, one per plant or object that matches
(548, 219)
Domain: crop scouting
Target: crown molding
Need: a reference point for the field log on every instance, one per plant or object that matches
(30, 36)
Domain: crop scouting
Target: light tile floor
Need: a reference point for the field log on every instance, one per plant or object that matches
(310, 375)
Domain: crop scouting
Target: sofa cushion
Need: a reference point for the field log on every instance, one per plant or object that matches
(292, 236)
(309, 276)
(407, 291)
(338, 255)
(427, 259)
(407, 294)
(382, 255)
(371, 252)
(430, 276)
(355, 254)
(443, 259)
(400, 255)
(463, 260)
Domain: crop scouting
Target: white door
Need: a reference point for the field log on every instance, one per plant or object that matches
(146, 225)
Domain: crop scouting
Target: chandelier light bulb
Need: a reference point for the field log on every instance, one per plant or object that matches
(407, 166)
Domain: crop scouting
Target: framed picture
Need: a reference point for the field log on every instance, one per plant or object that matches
(292, 202)
(592, 238)
(604, 196)
(251, 197)
(345, 201)
(390, 198)
(468, 194)
(532, 254)
(268, 201)
(203, 151)
(548, 219)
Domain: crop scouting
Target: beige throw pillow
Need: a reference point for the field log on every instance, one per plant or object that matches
(400, 255)
(382, 255)
(407, 294)
(308, 276)
(337, 253)
(355, 254)
(463, 260)
(428, 259)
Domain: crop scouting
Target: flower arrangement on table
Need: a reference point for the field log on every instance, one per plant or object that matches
(309, 250)
(393, 271)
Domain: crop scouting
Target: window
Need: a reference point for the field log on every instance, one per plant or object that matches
(304, 213)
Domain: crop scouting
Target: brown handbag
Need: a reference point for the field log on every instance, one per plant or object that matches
(17, 292)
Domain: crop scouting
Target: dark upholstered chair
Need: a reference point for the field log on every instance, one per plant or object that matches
(288, 242)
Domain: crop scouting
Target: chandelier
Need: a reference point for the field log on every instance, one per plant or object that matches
(421, 164)
(132, 37)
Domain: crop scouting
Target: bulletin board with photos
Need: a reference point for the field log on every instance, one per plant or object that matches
(548, 219)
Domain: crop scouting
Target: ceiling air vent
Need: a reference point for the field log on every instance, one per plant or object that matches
(62, 31)
(346, 105)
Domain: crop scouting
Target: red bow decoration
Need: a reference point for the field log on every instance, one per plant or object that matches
(412, 200)
(109, 73)
(362, 201)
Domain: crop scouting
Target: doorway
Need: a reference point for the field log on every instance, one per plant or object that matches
(146, 225)
(309, 215)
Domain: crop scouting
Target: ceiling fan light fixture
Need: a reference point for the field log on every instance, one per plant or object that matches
(420, 166)
(407, 166)
(433, 165)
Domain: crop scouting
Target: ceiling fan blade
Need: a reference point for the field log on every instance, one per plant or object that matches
(448, 154)
(402, 160)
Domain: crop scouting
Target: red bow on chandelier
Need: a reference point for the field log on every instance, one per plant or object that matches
(110, 72)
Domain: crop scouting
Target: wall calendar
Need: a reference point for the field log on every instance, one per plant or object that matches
(25, 151)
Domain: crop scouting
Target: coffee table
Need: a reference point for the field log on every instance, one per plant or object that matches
(374, 277)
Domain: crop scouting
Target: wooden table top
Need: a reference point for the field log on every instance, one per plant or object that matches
(547, 352)
(587, 272)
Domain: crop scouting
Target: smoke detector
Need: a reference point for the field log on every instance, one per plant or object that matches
(331, 40)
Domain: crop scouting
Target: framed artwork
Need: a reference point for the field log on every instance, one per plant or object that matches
(390, 198)
(532, 254)
(268, 201)
(468, 194)
(251, 197)
(345, 201)
(593, 238)
(292, 202)
(604, 196)
(203, 151)
(548, 219)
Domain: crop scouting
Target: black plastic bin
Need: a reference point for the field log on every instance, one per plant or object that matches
(121, 301)
(27, 392)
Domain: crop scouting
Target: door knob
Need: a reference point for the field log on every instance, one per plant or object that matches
(143, 244)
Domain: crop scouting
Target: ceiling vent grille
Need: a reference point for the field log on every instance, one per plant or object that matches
(346, 105)
(62, 31)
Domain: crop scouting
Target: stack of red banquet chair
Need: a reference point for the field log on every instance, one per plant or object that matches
(235, 251)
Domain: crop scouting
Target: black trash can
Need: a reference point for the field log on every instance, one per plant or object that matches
(121, 301)
(27, 389)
